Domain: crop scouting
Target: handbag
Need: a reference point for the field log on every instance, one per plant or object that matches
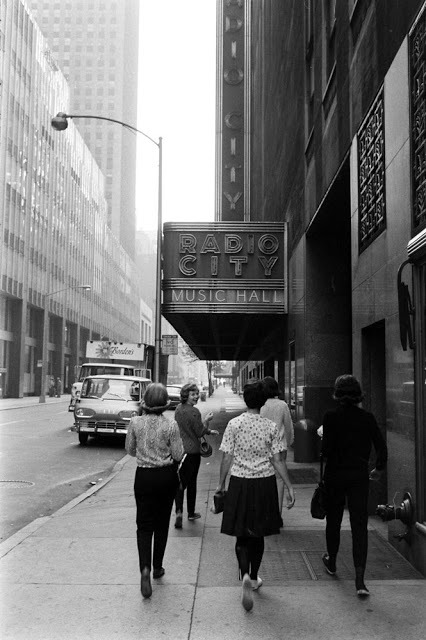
(319, 499)
(184, 471)
(206, 449)
(218, 502)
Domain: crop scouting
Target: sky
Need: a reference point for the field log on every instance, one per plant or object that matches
(177, 92)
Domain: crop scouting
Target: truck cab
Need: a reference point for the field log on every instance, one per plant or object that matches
(95, 369)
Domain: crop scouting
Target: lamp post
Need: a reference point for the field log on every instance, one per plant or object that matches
(44, 355)
(60, 123)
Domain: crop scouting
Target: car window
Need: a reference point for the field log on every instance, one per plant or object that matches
(108, 388)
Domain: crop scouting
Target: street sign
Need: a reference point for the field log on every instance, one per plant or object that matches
(169, 345)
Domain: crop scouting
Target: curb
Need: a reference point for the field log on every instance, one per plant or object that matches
(21, 535)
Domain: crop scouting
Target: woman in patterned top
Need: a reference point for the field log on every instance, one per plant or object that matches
(252, 448)
(277, 410)
(157, 445)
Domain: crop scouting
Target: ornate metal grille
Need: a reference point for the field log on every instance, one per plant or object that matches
(371, 175)
(418, 121)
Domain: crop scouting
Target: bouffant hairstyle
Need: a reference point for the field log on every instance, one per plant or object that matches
(155, 399)
(254, 395)
(184, 392)
(347, 390)
(270, 387)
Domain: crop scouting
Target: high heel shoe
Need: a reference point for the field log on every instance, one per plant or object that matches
(361, 589)
(330, 564)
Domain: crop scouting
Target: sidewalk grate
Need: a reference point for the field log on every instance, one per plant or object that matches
(304, 475)
(296, 555)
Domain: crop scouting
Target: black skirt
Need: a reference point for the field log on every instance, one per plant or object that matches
(251, 507)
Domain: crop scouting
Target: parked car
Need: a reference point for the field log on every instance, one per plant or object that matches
(106, 404)
(174, 394)
(204, 392)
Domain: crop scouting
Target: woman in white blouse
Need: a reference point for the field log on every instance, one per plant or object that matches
(156, 443)
(252, 448)
(277, 410)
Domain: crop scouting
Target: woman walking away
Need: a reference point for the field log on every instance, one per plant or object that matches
(192, 427)
(348, 435)
(157, 445)
(277, 410)
(252, 448)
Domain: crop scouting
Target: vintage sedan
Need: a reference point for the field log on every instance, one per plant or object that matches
(106, 404)
(173, 391)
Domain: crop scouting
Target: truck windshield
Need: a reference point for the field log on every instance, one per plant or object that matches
(107, 388)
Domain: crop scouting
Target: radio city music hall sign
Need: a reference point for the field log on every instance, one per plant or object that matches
(224, 267)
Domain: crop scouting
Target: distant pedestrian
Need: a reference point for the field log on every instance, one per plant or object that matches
(191, 426)
(157, 445)
(348, 435)
(277, 410)
(252, 449)
(52, 387)
(58, 387)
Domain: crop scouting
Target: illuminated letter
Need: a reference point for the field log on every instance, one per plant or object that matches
(183, 268)
(268, 243)
(177, 296)
(238, 261)
(253, 295)
(233, 24)
(241, 294)
(233, 243)
(201, 295)
(210, 245)
(263, 296)
(217, 295)
(267, 264)
(188, 299)
(187, 243)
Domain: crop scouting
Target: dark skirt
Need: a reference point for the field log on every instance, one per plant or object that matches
(251, 507)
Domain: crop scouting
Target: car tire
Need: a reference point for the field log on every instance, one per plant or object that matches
(82, 438)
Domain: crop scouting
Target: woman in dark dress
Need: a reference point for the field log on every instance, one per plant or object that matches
(349, 432)
(252, 447)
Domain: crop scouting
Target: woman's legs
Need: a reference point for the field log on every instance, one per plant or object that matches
(249, 552)
(335, 506)
(191, 489)
(358, 515)
(154, 493)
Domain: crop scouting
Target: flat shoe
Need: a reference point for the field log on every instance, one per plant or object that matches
(247, 595)
(146, 588)
(178, 523)
(158, 573)
(194, 516)
(256, 584)
(329, 566)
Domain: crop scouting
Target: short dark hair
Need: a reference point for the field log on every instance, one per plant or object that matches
(254, 395)
(270, 387)
(347, 389)
(184, 392)
(155, 399)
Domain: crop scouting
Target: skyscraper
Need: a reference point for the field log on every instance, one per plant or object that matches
(96, 45)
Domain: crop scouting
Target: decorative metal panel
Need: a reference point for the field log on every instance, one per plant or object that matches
(418, 112)
(371, 175)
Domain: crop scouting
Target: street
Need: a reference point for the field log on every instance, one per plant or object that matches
(42, 464)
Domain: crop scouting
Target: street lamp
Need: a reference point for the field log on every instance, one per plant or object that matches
(60, 123)
(42, 397)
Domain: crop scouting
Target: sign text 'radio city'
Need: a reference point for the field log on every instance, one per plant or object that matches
(238, 249)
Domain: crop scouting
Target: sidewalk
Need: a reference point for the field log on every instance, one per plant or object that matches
(75, 575)
(29, 401)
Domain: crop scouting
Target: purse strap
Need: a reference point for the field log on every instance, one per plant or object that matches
(321, 466)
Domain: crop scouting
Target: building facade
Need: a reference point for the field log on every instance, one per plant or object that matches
(54, 233)
(96, 46)
(337, 139)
